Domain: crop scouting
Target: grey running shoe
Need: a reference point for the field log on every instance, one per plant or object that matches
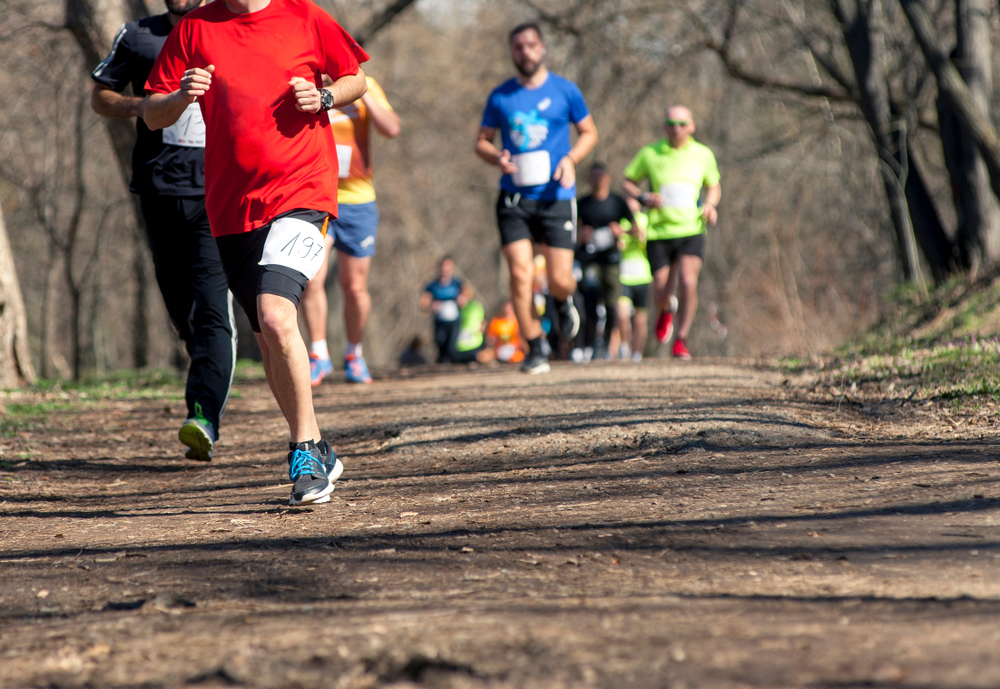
(197, 434)
(569, 319)
(312, 468)
(535, 362)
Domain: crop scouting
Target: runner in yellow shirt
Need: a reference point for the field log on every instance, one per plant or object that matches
(635, 276)
(684, 182)
(352, 234)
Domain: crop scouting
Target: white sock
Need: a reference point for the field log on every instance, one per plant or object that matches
(320, 349)
(352, 350)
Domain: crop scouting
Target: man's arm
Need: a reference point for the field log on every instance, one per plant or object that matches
(565, 172)
(425, 301)
(385, 120)
(107, 102)
(466, 294)
(491, 154)
(161, 110)
(345, 91)
(708, 209)
(648, 199)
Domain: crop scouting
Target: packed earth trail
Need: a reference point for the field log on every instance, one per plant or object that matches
(710, 524)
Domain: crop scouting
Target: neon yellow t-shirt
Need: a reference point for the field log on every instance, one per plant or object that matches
(678, 175)
(634, 267)
(352, 132)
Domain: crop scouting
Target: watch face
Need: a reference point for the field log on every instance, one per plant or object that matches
(326, 99)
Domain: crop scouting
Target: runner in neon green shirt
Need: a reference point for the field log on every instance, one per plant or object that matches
(684, 192)
(635, 276)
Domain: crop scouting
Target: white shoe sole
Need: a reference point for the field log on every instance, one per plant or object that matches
(324, 495)
(544, 368)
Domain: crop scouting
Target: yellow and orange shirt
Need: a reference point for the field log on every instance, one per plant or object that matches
(352, 132)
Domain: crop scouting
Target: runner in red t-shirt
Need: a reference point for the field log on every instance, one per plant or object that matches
(271, 175)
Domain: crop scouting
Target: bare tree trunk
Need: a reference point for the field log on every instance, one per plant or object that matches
(954, 89)
(861, 23)
(15, 354)
(978, 235)
(93, 24)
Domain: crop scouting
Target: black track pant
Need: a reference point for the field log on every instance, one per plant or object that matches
(193, 285)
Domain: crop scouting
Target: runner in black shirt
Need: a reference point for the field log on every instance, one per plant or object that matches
(599, 216)
(168, 174)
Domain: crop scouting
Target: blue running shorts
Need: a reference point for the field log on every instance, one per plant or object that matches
(355, 229)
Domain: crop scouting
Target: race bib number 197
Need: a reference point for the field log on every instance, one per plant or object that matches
(295, 244)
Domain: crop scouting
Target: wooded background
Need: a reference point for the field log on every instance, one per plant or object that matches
(854, 158)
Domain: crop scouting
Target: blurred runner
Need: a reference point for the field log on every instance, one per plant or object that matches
(679, 170)
(444, 299)
(270, 176)
(469, 344)
(636, 278)
(168, 174)
(533, 113)
(600, 216)
(353, 234)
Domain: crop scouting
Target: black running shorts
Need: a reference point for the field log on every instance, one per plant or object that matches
(637, 295)
(552, 223)
(241, 254)
(663, 252)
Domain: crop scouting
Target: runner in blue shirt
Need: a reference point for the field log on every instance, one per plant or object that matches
(537, 203)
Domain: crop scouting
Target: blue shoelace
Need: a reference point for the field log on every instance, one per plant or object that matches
(303, 463)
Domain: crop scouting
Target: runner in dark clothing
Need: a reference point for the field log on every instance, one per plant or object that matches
(599, 216)
(168, 174)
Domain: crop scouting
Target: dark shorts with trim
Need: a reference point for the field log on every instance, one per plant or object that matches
(241, 254)
(637, 295)
(663, 252)
(552, 223)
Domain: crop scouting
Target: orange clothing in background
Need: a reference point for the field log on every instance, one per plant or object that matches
(506, 337)
(352, 130)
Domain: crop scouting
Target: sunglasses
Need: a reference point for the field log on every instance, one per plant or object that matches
(678, 123)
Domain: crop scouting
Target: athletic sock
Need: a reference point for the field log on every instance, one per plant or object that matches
(535, 345)
(352, 350)
(320, 349)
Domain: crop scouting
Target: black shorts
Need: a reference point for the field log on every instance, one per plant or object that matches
(241, 254)
(663, 252)
(637, 295)
(552, 223)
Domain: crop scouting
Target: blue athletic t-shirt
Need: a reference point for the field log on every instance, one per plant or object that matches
(448, 295)
(534, 124)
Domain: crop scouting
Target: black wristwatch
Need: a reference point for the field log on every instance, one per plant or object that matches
(325, 100)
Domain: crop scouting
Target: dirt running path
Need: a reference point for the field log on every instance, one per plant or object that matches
(656, 525)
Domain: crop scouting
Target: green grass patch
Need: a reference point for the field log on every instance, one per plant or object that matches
(945, 347)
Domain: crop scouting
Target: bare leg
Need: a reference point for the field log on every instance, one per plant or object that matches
(352, 273)
(314, 302)
(520, 257)
(624, 323)
(639, 331)
(688, 269)
(663, 287)
(286, 364)
(559, 266)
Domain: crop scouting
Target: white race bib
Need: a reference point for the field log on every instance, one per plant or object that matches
(679, 195)
(506, 352)
(604, 239)
(344, 155)
(295, 244)
(633, 268)
(188, 131)
(533, 169)
(448, 311)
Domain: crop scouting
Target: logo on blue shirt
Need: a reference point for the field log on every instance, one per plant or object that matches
(528, 131)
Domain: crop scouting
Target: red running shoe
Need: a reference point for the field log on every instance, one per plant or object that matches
(664, 326)
(681, 350)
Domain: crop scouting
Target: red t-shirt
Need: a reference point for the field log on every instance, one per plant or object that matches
(262, 156)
